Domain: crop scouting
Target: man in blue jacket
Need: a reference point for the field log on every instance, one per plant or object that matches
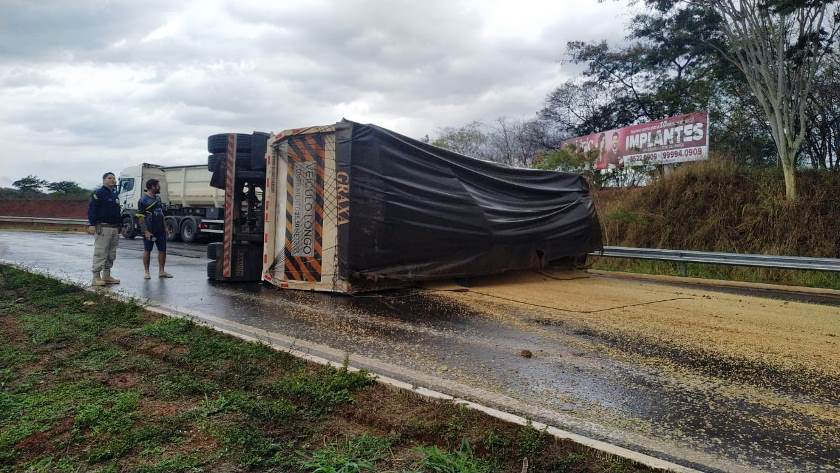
(104, 222)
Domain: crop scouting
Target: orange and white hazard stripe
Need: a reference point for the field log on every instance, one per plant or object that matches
(230, 169)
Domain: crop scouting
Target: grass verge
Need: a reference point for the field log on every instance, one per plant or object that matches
(88, 383)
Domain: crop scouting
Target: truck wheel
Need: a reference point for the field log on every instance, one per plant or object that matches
(218, 178)
(188, 230)
(172, 232)
(211, 270)
(218, 143)
(214, 161)
(214, 250)
(128, 231)
(259, 143)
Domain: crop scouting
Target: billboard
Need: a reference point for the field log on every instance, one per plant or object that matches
(670, 140)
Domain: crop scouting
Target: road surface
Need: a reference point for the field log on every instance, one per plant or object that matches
(713, 380)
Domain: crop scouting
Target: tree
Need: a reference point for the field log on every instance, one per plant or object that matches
(666, 69)
(66, 188)
(672, 65)
(469, 140)
(570, 159)
(512, 142)
(585, 106)
(515, 142)
(7, 193)
(778, 46)
(822, 140)
(30, 184)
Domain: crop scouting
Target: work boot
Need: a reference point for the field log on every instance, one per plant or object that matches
(106, 276)
(97, 280)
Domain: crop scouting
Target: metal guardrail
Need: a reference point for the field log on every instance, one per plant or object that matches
(54, 221)
(732, 259)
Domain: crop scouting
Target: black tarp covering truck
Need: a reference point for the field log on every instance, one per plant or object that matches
(350, 207)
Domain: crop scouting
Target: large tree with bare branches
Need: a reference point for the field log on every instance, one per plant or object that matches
(778, 46)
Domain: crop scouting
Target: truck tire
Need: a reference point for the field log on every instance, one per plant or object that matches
(219, 179)
(189, 230)
(218, 143)
(172, 233)
(128, 229)
(211, 270)
(259, 145)
(215, 160)
(246, 263)
(214, 250)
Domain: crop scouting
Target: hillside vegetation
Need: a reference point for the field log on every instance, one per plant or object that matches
(718, 206)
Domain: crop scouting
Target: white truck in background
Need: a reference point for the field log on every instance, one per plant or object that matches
(193, 207)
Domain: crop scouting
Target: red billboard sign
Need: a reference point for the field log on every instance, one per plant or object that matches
(671, 140)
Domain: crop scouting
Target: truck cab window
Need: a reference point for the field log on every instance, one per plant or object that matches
(126, 185)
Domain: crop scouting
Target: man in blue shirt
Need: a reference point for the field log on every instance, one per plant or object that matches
(104, 222)
(150, 213)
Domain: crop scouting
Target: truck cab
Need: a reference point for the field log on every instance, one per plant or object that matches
(193, 207)
(132, 184)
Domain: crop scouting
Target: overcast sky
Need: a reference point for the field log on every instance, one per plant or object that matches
(102, 84)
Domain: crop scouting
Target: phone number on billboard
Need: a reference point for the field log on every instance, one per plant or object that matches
(680, 153)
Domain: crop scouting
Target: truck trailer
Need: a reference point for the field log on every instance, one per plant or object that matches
(349, 207)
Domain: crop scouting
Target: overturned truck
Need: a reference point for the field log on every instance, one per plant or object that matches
(351, 207)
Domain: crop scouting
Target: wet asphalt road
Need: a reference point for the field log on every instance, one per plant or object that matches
(572, 382)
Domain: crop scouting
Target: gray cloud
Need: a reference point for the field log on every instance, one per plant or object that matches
(105, 84)
(56, 29)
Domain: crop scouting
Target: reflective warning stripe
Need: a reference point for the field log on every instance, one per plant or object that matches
(230, 163)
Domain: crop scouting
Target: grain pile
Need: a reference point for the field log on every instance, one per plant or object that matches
(730, 331)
